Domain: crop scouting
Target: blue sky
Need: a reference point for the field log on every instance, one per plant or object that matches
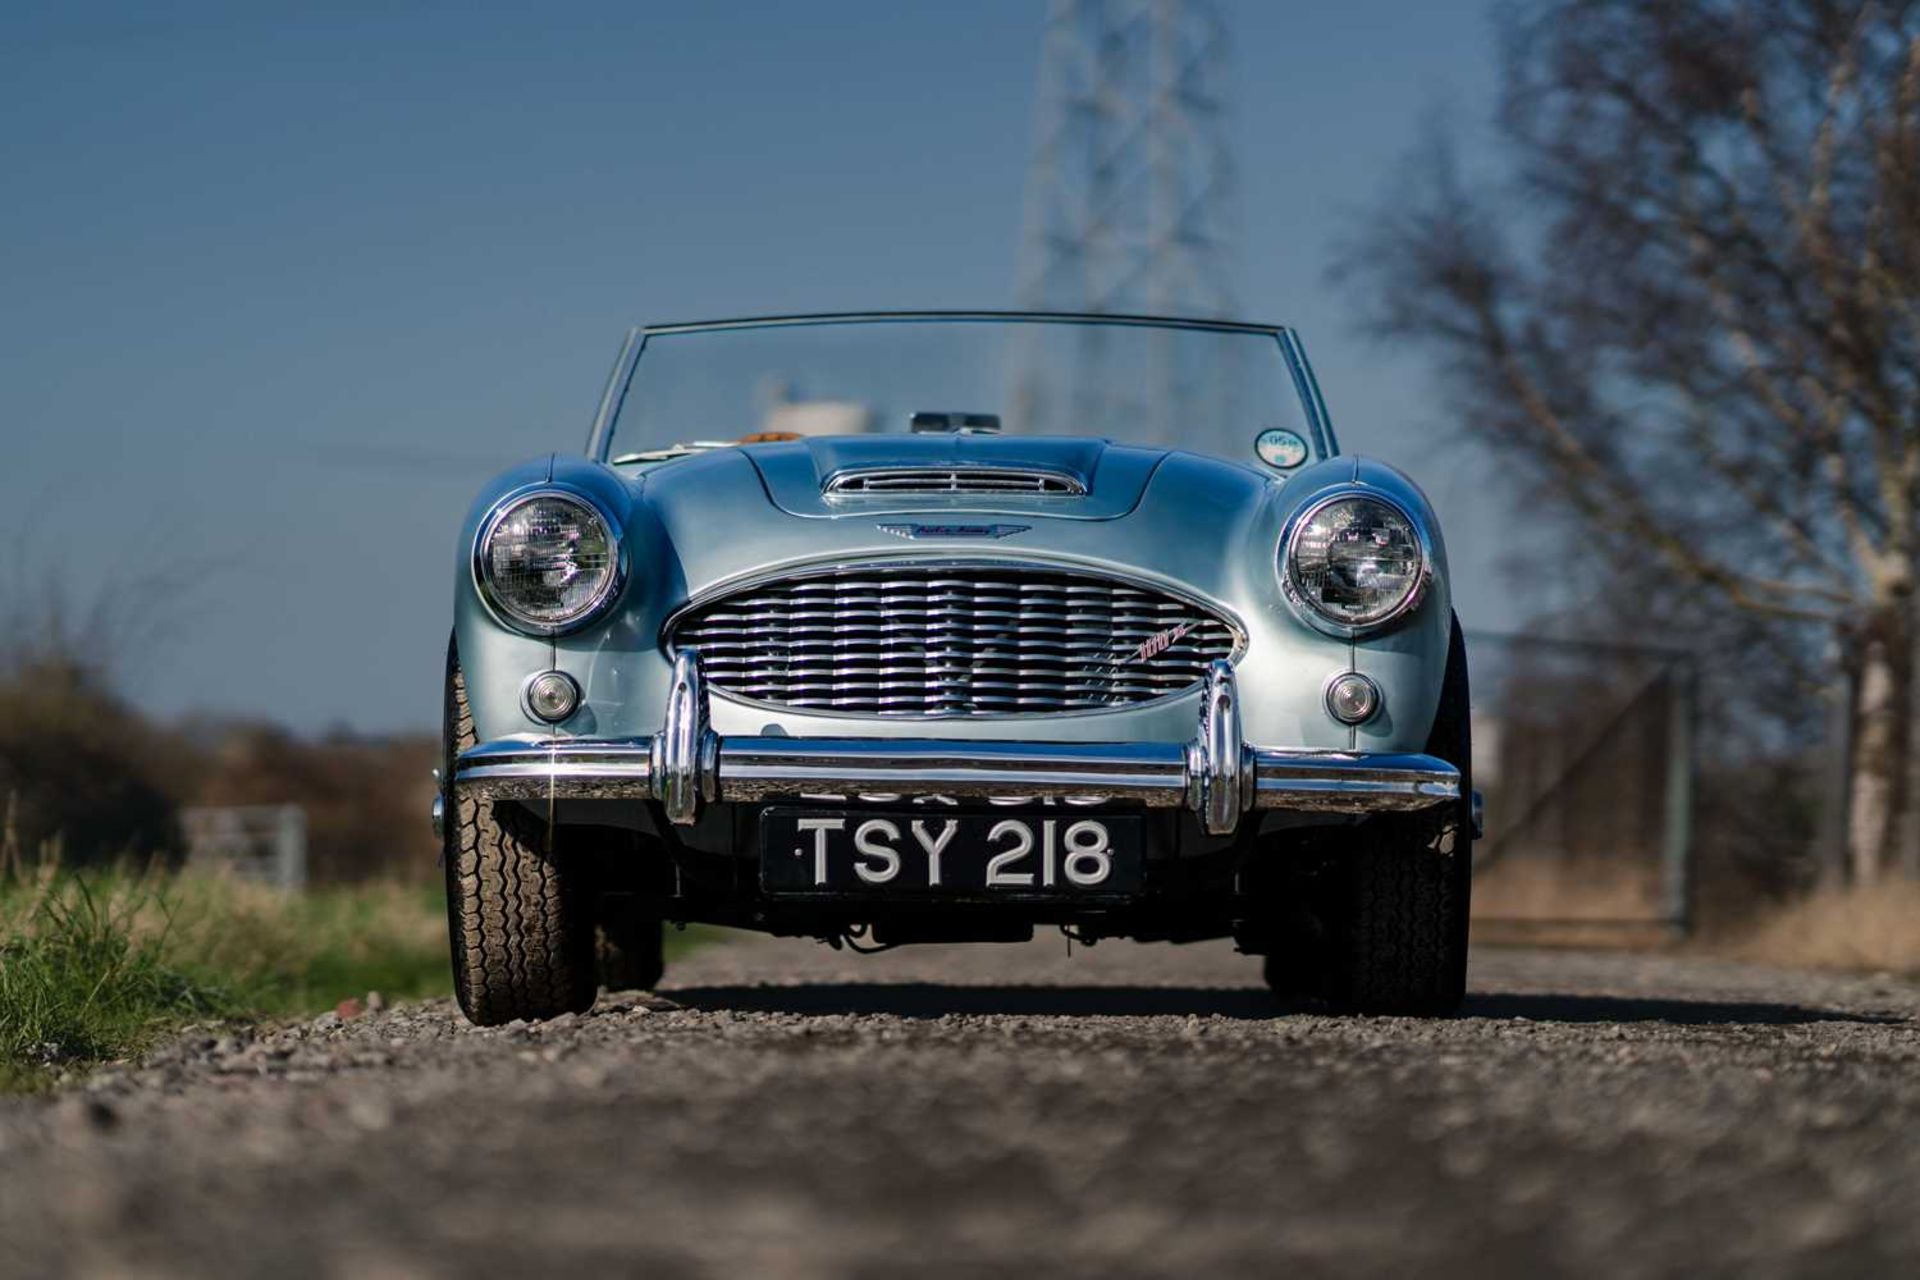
(280, 287)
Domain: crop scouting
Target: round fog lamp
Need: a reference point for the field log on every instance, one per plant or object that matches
(552, 696)
(1352, 698)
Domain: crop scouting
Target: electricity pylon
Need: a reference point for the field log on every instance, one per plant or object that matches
(1129, 202)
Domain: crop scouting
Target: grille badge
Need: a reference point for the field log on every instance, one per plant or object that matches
(1159, 644)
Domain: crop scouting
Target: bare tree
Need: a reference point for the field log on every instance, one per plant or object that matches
(1694, 316)
(80, 767)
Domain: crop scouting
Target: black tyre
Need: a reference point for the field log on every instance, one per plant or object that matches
(519, 915)
(629, 948)
(1398, 940)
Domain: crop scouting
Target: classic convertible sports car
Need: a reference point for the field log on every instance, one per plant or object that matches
(918, 627)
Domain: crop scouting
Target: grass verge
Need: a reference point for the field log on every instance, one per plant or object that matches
(95, 966)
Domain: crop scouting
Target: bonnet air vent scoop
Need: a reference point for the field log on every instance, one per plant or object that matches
(933, 481)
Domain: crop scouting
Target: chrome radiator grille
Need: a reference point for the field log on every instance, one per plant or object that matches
(973, 640)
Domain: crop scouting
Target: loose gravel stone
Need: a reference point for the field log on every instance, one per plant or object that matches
(783, 1110)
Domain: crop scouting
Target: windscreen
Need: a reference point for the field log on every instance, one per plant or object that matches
(1210, 390)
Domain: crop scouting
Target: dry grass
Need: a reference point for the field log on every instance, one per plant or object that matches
(309, 950)
(1597, 889)
(1875, 930)
(1565, 902)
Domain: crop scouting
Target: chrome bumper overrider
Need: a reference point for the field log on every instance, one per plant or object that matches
(1216, 775)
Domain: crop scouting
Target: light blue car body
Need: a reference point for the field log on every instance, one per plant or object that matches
(1203, 527)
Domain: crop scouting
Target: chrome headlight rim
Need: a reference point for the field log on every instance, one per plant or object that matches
(1307, 611)
(603, 599)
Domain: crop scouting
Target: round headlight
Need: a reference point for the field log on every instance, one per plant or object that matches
(1356, 561)
(548, 561)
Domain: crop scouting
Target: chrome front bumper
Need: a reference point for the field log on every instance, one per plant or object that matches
(1216, 775)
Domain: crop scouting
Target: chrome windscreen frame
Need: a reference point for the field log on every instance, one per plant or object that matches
(1292, 351)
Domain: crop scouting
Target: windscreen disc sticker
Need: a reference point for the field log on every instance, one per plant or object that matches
(1281, 449)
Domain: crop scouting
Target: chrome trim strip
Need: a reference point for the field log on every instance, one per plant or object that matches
(1351, 781)
(833, 563)
(763, 768)
(1307, 386)
(1216, 775)
(1156, 774)
(1040, 317)
(1018, 718)
(600, 435)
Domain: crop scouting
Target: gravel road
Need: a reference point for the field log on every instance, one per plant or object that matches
(784, 1110)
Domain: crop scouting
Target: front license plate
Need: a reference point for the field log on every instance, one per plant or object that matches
(986, 854)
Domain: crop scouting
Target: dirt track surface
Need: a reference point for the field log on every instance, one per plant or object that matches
(1131, 1111)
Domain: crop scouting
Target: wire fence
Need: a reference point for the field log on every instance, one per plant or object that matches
(1584, 754)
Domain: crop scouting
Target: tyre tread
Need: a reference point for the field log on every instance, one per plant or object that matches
(1404, 942)
(520, 941)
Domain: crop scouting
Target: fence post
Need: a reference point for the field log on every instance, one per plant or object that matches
(1830, 836)
(290, 847)
(1676, 853)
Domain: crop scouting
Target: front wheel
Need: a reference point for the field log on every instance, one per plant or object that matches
(1403, 893)
(1401, 948)
(519, 912)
